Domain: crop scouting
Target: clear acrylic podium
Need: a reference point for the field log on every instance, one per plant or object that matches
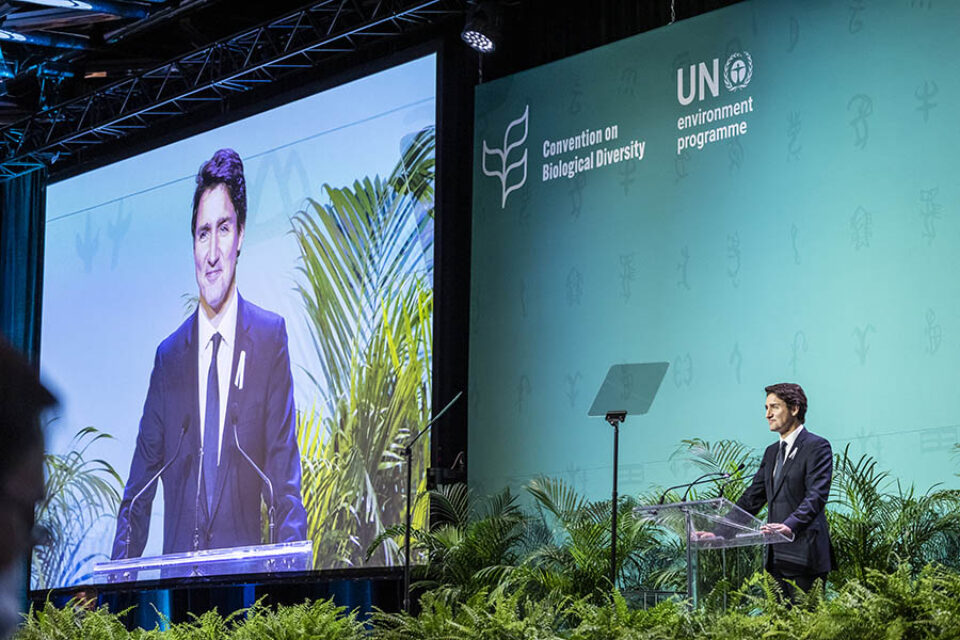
(708, 524)
(264, 558)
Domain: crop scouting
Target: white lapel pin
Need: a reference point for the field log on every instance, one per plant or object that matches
(238, 381)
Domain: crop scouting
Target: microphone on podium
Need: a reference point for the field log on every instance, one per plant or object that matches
(150, 483)
(271, 505)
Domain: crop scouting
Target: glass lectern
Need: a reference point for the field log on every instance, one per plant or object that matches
(264, 558)
(709, 524)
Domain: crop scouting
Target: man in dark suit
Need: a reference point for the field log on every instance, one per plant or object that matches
(223, 376)
(794, 481)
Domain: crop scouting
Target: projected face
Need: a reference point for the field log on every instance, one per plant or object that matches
(781, 417)
(216, 244)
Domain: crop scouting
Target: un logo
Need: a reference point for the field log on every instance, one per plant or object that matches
(738, 71)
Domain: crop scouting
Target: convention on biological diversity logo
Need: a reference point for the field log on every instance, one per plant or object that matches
(503, 154)
(703, 83)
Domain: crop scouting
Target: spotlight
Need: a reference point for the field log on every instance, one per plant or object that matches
(482, 29)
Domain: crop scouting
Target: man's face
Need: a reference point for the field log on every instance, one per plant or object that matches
(216, 244)
(781, 417)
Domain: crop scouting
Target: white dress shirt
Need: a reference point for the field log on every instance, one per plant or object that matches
(790, 440)
(228, 333)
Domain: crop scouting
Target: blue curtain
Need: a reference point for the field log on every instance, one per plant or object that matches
(22, 205)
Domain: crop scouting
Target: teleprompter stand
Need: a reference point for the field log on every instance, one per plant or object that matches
(627, 389)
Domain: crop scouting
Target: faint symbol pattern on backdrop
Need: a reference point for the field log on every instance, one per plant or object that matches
(503, 154)
(683, 371)
(861, 106)
(683, 266)
(680, 164)
(921, 4)
(869, 442)
(523, 391)
(287, 175)
(574, 287)
(523, 298)
(929, 212)
(798, 347)
(862, 347)
(793, 136)
(925, 94)
(627, 171)
(733, 258)
(856, 22)
(794, 235)
(861, 228)
(632, 474)
(939, 439)
(576, 98)
(576, 195)
(573, 387)
(87, 244)
(629, 82)
(575, 476)
(736, 361)
(735, 153)
(933, 332)
(117, 230)
(628, 274)
(794, 35)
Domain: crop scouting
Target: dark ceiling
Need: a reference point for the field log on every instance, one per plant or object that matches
(87, 71)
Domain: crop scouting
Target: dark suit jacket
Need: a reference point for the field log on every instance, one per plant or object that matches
(265, 417)
(798, 501)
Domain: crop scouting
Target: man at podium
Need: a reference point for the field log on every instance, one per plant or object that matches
(222, 378)
(794, 481)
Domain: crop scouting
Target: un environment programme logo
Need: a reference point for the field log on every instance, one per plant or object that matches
(738, 71)
(502, 157)
(700, 82)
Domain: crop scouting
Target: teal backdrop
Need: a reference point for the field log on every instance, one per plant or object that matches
(813, 238)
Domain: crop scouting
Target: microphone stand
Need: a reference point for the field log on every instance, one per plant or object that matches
(408, 454)
(126, 542)
(271, 508)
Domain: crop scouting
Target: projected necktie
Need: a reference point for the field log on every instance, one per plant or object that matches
(778, 467)
(211, 427)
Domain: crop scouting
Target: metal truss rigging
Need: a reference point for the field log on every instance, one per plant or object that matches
(233, 65)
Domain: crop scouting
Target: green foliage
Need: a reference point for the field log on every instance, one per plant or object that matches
(78, 493)
(575, 559)
(469, 546)
(366, 262)
(69, 623)
(904, 604)
(874, 528)
(320, 619)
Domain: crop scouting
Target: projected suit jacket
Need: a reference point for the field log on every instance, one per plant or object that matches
(797, 500)
(264, 412)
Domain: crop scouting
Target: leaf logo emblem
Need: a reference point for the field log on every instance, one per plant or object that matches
(503, 155)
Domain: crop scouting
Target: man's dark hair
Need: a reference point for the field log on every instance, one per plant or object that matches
(22, 400)
(792, 394)
(226, 168)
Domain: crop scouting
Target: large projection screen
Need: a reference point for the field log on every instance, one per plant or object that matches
(338, 243)
(785, 211)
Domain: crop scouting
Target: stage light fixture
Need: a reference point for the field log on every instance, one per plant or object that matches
(483, 26)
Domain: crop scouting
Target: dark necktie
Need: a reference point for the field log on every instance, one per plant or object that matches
(781, 459)
(211, 427)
